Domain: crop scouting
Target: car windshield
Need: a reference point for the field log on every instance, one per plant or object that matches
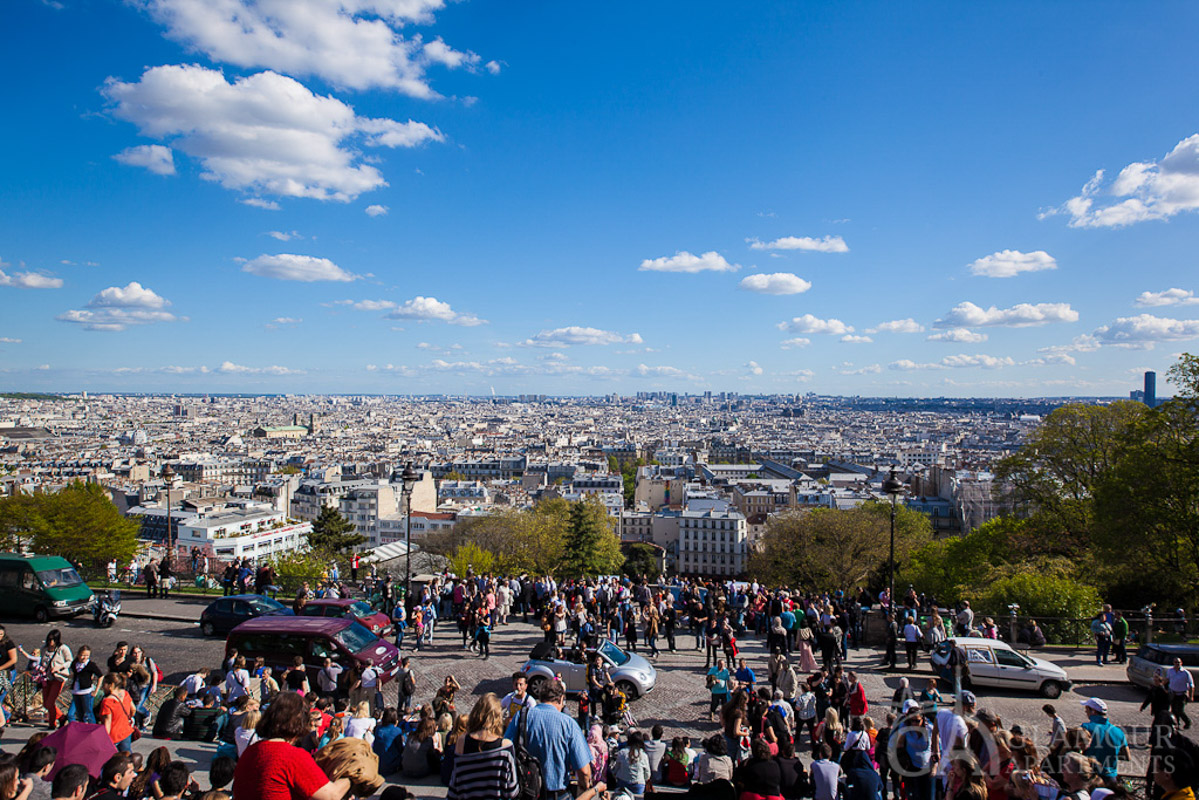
(614, 654)
(361, 609)
(265, 605)
(355, 637)
(63, 578)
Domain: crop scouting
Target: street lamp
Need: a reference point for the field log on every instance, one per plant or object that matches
(409, 477)
(168, 477)
(894, 488)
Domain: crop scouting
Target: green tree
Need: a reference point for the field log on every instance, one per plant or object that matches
(81, 523)
(641, 560)
(1061, 605)
(294, 567)
(18, 519)
(454, 475)
(470, 557)
(333, 533)
(830, 549)
(591, 547)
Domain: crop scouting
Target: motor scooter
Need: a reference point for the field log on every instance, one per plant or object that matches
(106, 607)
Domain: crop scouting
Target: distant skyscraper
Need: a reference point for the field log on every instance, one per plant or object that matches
(1151, 389)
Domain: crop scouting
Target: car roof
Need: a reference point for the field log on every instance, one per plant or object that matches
(37, 562)
(341, 601)
(979, 641)
(285, 624)
(1174, 648)
(244, 597)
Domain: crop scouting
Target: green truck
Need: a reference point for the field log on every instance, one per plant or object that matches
(44, 587)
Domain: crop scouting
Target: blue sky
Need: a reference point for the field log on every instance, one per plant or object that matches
(569, 198)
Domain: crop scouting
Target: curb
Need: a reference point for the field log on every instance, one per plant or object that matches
(163, 617)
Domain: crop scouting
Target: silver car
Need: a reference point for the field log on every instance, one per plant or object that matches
(631, 673)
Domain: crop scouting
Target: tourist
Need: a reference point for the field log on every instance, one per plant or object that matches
(1181, 684)
(116, 712)
(556, 742)
(273, 768)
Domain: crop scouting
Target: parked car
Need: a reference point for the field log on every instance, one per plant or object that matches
(225, 614)
(989, 662)
(279, 639)
(631, 673)
(360, 610)
(1150, 658)
(44, 587)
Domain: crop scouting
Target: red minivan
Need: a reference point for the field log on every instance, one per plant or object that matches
(278, 640)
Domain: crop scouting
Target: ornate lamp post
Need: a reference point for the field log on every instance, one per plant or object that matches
(409, 477)
(894, 488)
(168, 477)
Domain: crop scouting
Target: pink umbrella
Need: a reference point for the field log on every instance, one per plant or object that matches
(80, 743)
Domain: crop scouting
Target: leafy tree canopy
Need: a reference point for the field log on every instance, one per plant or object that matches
(333, 533)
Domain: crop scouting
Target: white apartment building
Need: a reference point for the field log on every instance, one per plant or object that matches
(712, 543)
(252, 531)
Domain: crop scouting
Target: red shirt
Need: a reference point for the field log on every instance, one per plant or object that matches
(277, 771)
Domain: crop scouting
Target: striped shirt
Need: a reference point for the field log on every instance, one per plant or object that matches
(484, 775)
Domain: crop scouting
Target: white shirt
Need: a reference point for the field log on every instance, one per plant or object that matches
(951, 731)
(193, 683)
(510, 698)
(237, 682)
(327, 677)
(911, 633)
(1180, 680)
(359, 727)
(370, 678)
(243, 738)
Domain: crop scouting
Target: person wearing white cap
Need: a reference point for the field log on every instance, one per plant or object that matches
(1108, 741)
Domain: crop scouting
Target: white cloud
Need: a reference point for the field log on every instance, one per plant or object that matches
(754, 368)
(118, 307)
(791, 344)
(1010, 263)
(366, 305)
(355, 44)
(286, 321)
(1150, 190)
(577, 335)
(258, 202)
(9, 340)
(1170, 297)
(850, 338)
(1143, 331)
(291, 267)
(493, 67)
(683, 261)
(376, 210)
(1085, 343)
(261, 134)
(954, 362)
(646, 371)
(229, 368)
(1054, 359)
(847, 368)
(133, 295)
(775, 283)
(154, 157)
(801, 375)
(432, 309)
(29, 280)
(826, 244)
(810, 324)
(284, 236)
(897, 326)
(958, 335)
(1021, 315)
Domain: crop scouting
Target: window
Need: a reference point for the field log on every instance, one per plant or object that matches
(1009, 658)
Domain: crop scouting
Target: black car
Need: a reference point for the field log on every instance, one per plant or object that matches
(227, 613)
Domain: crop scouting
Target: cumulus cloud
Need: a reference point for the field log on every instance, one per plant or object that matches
(811, 324)
(29, 280)
(754, 368)
(647, 371)
(286, 321)
(1085, 343)
(1144, 190)
(118, 307)
(229, 368)
(796, 342)
(291, 267)
(1052, 360)
(847, 368)
(376, 210)
(355, 44)
(430, 309)
(1143, 331)
(154, 157)
(850, 338)
(683, 261)
(366, 305)
(897, 326)
(826, 244)
(954, 362)
(1021, 315)
(261, 134)
(578, 335)
(284, 236)
(1170, 297)
(1010, 263)
(775, 283)
(958, 335)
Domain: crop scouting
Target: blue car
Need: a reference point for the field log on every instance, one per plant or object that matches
(227, 613)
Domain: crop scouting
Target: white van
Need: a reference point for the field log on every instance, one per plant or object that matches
(989, 662)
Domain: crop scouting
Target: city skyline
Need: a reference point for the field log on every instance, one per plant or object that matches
(411, 197)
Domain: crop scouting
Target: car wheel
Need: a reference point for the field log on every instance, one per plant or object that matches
(536, 684)
(1051, 690)
(207, 628)
(40, 614)
(629, 689)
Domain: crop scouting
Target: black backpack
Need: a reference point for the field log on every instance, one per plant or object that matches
(528, 768)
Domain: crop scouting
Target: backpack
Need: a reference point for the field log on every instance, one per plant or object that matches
(528, 768)
(408, 686)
